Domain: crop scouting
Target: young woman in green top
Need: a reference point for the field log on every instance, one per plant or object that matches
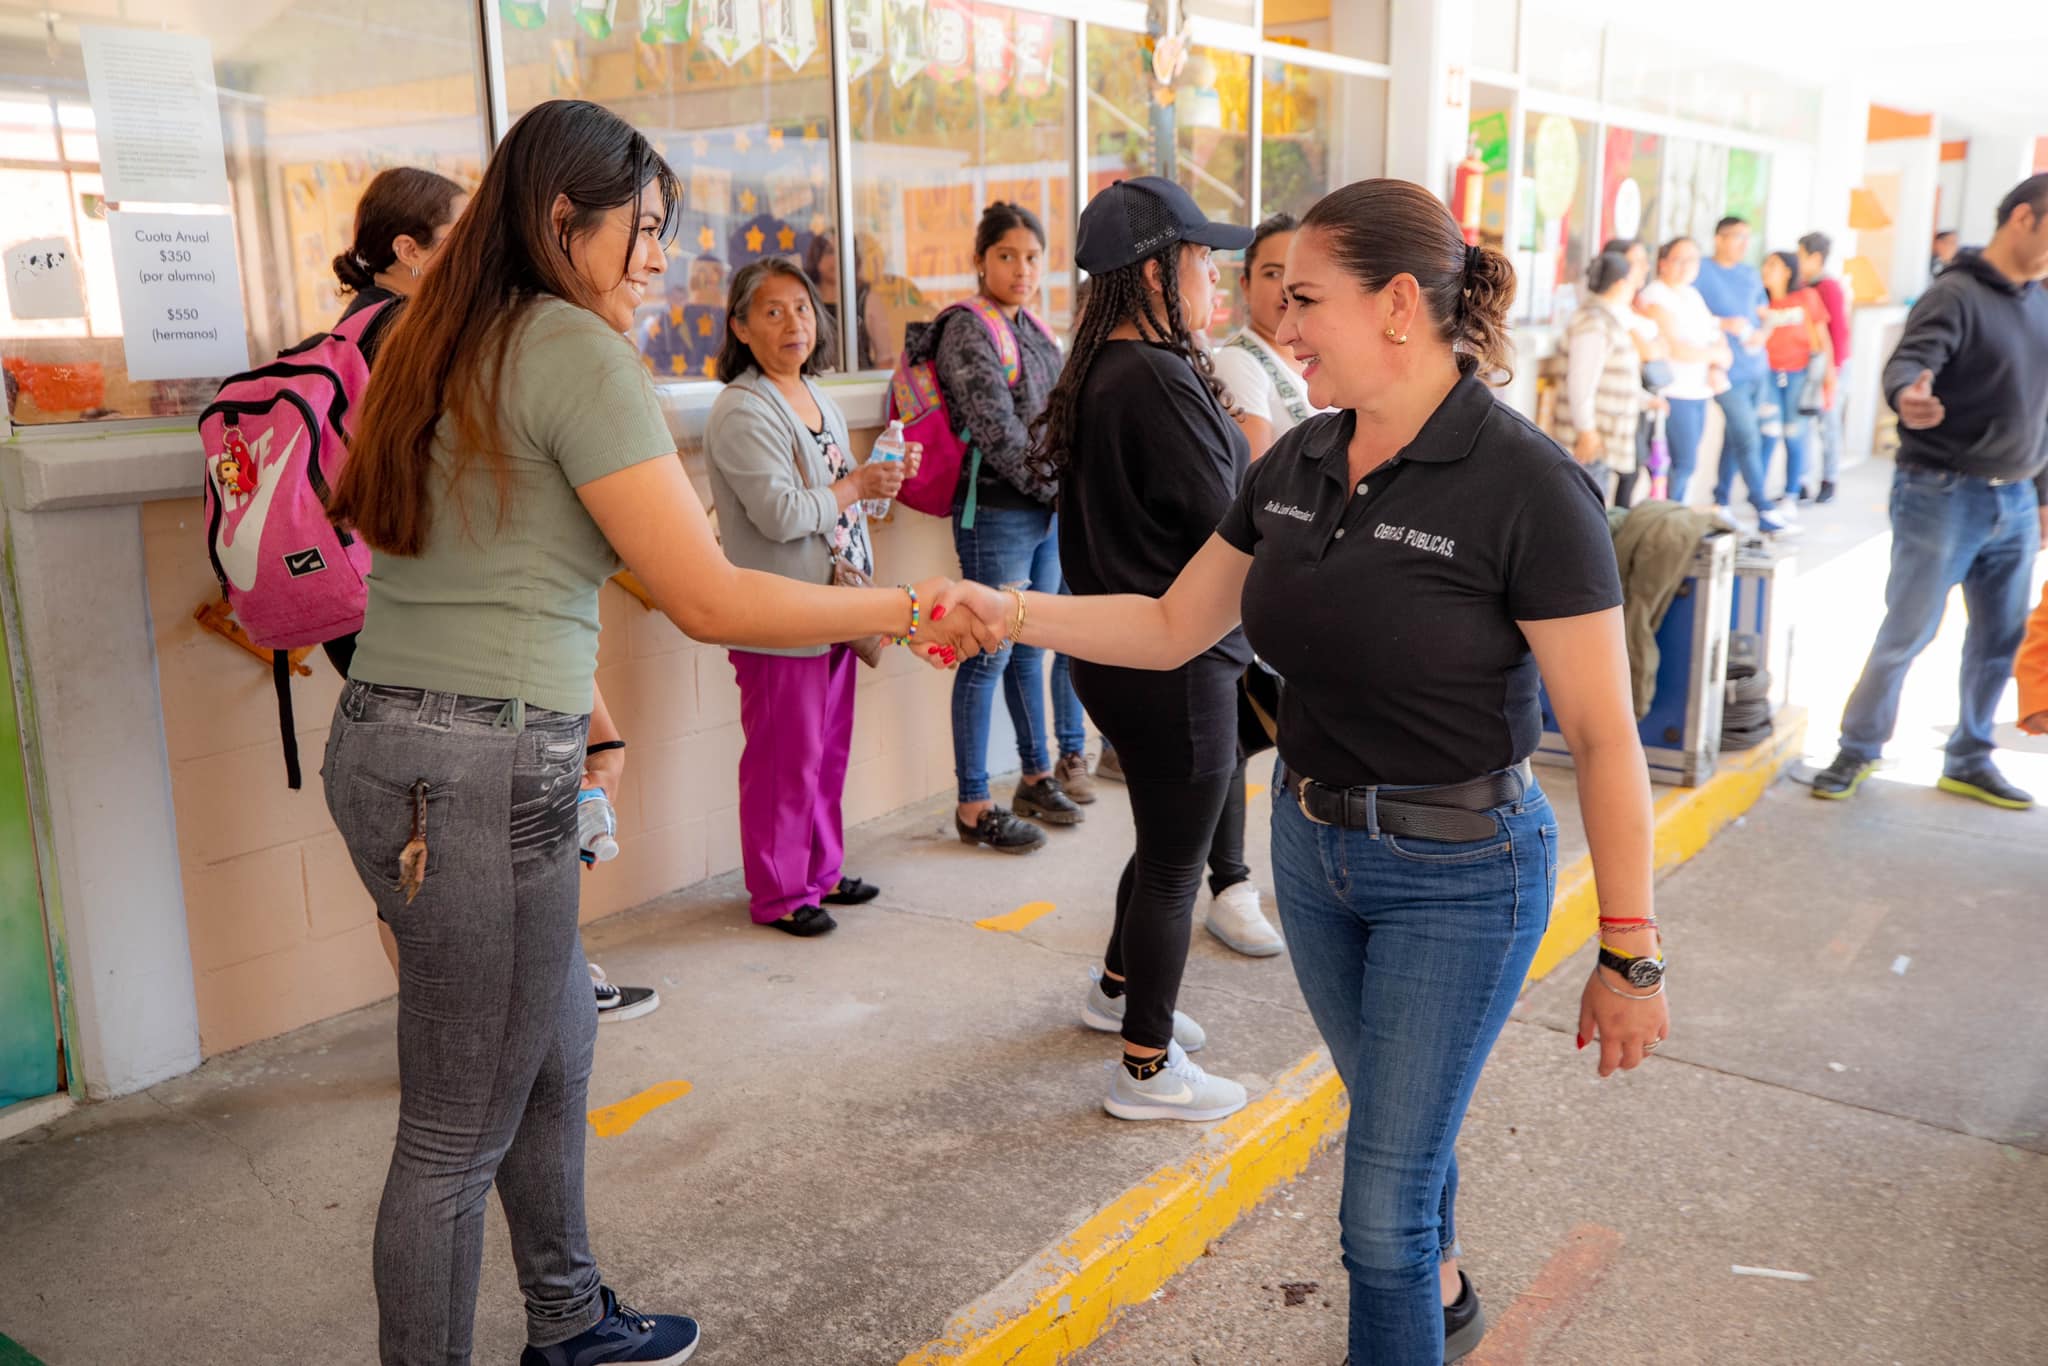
(510, 454)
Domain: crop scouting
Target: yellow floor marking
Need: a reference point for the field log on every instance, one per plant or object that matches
(1254, 791)
(612, 1120)
(1010, 921)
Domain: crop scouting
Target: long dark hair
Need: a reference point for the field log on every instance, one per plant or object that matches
(1791, 263)
(1116, 297)
(998, 219)
(447, 351)
(1378, 229)
(734, 355)
(404, 201)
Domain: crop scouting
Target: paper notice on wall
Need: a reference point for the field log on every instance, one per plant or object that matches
(42, 279)
(157, 111)
(181, 294)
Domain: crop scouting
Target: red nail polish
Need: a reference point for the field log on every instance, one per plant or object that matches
(1582, 1041)
(938, 613)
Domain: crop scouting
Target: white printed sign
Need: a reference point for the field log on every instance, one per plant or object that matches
(157, 113)
(181, 294)
(43, 280)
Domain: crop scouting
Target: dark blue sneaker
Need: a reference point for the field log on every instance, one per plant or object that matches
(624, 1336)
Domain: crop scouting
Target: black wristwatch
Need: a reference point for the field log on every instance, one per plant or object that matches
(1642, 973)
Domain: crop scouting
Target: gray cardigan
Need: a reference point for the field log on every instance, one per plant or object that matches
(767, 519)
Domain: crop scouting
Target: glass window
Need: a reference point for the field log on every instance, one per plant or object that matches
(1321, 130)
(1695, 188)
(1552, 248)
(1491, 112)
(1193, 131)
(1496, 34)
(1642, 72)
(1749, 190)
(985, 119)
(738, 97)
(1563, 53)
(1349, 28)
(1229, 11)
(1631, 179)
(312, 102)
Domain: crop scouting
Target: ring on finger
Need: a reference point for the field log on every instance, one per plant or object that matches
(1652, 1045)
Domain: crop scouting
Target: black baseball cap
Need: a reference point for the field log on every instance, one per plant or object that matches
(1131, 220)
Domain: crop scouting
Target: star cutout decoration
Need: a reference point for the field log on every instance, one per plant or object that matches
(678, 365)
(706, 238)
(701, 146)
(711, 367)
(704, 326)
(786, 239)
(747, 201)
(754, 240)
(775, 139)
(810, 132)
(741, 142)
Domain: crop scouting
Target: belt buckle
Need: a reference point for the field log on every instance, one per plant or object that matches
(1301, 800)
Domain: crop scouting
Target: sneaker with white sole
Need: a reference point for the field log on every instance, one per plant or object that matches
(621, 1003)
(1106, 1013)
(1235, 918)
(1179, 1090)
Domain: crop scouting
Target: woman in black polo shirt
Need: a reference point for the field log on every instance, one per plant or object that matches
(1408, 563)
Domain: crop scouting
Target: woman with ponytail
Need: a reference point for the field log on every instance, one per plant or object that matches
(1410, 564)
(401, 221)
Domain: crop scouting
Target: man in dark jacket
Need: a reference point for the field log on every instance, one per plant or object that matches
(1970, 499)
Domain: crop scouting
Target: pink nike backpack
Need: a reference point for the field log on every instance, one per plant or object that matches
(916, 399)
(276, 438)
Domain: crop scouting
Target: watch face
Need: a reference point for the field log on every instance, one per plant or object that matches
(1644, 972)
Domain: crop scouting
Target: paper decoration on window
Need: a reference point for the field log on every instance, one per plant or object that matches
(792, 27)
(664, 21)
(565, 72)
(1628, 209)
(949, 40)
(43, 280)
(1031, 36)
(732, 28)
(906, 40)
(596, 16)
(865, 46)
(748, 201)
(650, 66)
(775, 138)
(527, 14)
(992, 55)
(710, 189)
(791, 195)
(1557, 166)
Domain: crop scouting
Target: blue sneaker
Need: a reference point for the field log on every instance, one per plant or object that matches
(624, 1336)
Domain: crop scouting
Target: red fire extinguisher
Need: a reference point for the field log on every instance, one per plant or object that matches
(1468, 193)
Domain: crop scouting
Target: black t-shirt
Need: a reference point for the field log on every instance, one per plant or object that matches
(1390, 611)
(1155, 465)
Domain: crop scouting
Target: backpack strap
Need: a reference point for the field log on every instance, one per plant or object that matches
(1004, 340)
(357, 325)
(281, 676)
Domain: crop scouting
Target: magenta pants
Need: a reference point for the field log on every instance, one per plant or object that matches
(797, 716)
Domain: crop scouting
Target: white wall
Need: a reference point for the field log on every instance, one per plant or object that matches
(1997, 162)
(1915, 161)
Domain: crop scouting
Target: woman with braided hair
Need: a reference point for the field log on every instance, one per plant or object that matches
(1139, 435)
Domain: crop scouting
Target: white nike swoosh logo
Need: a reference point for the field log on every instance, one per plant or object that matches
(239, 543)
(1181, 1095)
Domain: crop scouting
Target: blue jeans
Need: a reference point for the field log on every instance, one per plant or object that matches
(1786, 388)
(1948, 529)
(1682, 432)
(1742, 443)
(1410, 954)
(1011, 545)
(1831, 426)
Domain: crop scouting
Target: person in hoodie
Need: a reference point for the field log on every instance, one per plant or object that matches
(1969, 382)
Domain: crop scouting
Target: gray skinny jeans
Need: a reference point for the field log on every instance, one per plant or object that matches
(496, 1022)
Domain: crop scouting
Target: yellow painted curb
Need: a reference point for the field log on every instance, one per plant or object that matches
(1068, 1295)
(1065, 1297)
(1687, 818)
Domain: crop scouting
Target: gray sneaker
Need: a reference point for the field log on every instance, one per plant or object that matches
(1179, 1090)
(1106, 1013)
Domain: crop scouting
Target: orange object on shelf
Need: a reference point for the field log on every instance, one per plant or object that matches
(625, 579)
(217, 617)
(59, 386)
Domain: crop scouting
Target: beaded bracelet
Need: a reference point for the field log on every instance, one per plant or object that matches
(1624, 995)
(916, 617)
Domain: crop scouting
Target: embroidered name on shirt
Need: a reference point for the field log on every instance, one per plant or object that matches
(1421, 540)
(1289, 510)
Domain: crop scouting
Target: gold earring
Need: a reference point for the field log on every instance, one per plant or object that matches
(1401, 340)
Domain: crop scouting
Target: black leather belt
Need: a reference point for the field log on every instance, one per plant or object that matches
(1454, 813)
(1914, 466)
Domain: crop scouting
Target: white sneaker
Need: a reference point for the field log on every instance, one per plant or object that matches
(1106, 1013)
(1235, 918)
(1733, 516)
(1179, 1090)
(1786, 510)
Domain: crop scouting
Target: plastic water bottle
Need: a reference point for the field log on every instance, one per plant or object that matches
(889, 447)
(597, 827)
(1660, 458)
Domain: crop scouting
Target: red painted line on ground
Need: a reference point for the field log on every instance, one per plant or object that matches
(1559, 1290)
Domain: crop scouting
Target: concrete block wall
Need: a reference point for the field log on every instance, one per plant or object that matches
(281, 930)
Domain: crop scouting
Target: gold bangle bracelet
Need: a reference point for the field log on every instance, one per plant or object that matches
(1017, 627)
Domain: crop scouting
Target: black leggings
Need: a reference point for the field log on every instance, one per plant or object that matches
(1227, 867)
(1176, 823)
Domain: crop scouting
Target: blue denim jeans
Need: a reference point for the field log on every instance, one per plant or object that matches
(1831, 425)
(1742, 443)
(1410, 954)
(1785, 389)
(1682, 432)
(1948, 529)
(1011, 545)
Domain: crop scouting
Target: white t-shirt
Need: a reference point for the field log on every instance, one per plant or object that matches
(1254, 388)
(1696, 326)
